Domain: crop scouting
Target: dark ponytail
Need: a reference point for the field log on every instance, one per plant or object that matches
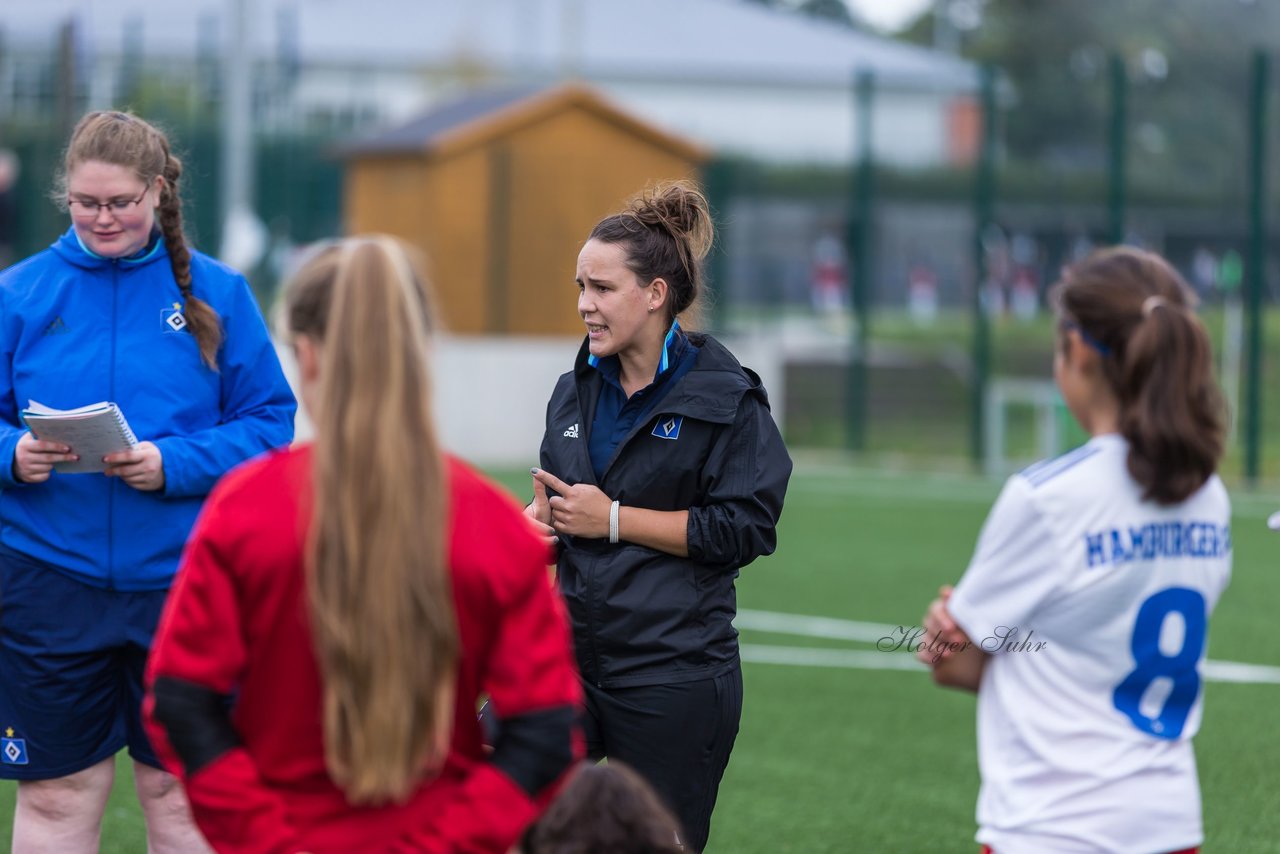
(123, 139)
(1156, 357)
(667, 231)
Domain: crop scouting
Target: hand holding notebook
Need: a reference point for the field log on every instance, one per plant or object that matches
(92, 432)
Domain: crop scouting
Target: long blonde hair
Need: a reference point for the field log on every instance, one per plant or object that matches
(380, 602)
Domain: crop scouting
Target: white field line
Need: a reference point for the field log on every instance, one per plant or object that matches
(910, 490)
(813, 627)
(1235, 671)
(830, 628)
(968, 490)
(803, 656)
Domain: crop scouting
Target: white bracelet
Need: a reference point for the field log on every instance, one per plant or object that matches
(613, 522)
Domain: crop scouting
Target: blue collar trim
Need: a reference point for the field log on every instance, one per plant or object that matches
(665, 361)
(146, 253)
(670, 345)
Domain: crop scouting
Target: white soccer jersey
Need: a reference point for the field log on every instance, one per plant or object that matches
(1094, 605)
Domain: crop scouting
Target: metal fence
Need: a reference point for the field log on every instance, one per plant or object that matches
(896, 297)
(904, 297)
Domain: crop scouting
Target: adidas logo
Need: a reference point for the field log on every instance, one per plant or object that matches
(56, 327)
(572, 432)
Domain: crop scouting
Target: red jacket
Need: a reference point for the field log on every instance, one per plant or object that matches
(234, 693)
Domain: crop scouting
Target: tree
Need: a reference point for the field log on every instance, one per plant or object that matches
(1188, 67)
(829, 10)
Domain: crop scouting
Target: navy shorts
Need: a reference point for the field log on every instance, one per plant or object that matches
(72, 658)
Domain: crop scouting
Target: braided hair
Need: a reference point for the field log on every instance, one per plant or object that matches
(123, 139)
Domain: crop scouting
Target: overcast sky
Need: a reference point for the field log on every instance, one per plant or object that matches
(888, 15)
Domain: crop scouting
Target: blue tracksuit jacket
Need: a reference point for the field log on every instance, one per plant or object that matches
(75, 329)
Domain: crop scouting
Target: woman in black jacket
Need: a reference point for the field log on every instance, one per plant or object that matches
(662, 475)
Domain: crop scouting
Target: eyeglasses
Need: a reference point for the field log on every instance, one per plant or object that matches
(87, 208)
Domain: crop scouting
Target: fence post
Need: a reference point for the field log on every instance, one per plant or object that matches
(1256, 268)
(859, 227)
(718, 182)
(236, 143)
(983, 204)
(1116, 171)
(65, 104)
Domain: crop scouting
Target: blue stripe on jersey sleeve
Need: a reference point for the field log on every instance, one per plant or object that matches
(1042, 472)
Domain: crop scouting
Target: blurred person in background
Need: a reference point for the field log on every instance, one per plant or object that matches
(1082, 620)
(344, 604)
(829, 280)
(118, 309)
(662, 475)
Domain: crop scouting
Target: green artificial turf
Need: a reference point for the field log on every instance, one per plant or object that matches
(842, 760)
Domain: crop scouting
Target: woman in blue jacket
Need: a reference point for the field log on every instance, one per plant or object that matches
(662, 475)
(118, 309)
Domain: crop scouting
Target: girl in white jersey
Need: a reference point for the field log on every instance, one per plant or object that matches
(1082, 619)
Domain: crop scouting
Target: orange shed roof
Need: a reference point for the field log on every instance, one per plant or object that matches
(486, 115)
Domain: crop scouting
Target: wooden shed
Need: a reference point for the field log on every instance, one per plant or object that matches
(501, 189)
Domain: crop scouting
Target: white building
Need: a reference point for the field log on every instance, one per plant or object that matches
(737, 77)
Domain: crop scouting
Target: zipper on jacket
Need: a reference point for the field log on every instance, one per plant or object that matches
(591, 626)
(111, 395)
(587, 411)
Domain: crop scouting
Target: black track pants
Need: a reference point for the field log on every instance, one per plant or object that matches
(678, 737)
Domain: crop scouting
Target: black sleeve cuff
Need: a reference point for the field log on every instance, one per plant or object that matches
(534, 749)
(196, 719)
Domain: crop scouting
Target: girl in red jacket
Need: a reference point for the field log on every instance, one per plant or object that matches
(343, 607)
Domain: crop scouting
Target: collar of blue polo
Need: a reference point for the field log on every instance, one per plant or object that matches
(673, 345)
(146, 253)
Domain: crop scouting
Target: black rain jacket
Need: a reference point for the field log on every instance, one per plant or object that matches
(644, 617)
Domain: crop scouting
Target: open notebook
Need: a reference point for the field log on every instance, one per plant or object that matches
(92, 431)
